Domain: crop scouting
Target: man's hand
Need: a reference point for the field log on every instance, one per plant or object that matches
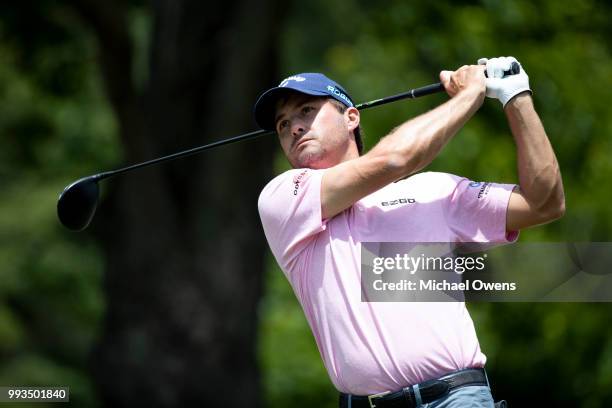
(500, 87)
(468, 77)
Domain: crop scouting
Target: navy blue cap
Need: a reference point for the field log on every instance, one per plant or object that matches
(307, 83)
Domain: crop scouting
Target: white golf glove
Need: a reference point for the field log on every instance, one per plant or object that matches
(500, 87)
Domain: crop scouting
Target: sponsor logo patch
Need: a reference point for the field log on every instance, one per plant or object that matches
(398, 202)
(484, 190)
(339, 94)
(295, 78)
(297, 180)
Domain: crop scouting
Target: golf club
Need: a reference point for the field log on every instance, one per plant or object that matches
(77, 204)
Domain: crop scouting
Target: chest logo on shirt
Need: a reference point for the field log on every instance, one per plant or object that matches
(398, 202)
(297, 180)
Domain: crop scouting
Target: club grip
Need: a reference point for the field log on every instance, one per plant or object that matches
(515, 68)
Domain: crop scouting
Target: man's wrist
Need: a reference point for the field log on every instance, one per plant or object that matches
(474, 96)
(519, 101)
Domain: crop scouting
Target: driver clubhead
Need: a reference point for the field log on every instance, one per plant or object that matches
(77, 204)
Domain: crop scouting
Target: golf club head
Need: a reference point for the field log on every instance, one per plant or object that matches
(77, 204)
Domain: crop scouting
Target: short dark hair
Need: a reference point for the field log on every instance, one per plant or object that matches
(357, 132)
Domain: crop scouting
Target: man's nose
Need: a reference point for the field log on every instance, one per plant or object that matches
(298, 128)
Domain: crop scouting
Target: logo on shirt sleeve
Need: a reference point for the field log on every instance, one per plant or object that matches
(484, 188)
(297, 180)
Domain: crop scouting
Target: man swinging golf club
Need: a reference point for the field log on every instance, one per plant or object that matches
(315, 216)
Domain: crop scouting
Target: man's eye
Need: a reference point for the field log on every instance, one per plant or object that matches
(307, 109)
(282, 124)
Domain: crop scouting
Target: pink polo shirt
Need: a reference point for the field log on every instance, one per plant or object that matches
(374, 347)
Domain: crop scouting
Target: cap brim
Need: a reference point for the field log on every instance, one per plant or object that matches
(265, 107)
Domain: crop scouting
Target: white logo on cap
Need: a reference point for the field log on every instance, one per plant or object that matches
(339, 94)
(292, 78)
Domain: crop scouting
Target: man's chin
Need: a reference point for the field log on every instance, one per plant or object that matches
(308, 159)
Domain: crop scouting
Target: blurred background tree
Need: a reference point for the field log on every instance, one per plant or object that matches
(154, 283)
(171, 294)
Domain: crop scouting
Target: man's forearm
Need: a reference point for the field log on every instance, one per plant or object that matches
(415, 143)
(538, 170)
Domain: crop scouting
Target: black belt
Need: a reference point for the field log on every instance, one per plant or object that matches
(429, 391)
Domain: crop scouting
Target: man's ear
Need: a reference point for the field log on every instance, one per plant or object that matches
(352, 118)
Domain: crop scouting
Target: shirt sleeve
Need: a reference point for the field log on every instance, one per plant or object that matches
(476, 211)
(290, 211)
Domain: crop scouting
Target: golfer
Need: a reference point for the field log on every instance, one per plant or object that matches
(401, 354)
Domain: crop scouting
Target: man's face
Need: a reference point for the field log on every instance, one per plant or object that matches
(313, 132)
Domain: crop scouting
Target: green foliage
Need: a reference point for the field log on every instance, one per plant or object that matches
(54, 124)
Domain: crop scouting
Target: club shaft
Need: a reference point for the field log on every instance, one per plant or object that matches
(184, 153)
(413, 93)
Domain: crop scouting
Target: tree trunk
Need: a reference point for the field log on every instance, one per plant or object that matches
(183, 243)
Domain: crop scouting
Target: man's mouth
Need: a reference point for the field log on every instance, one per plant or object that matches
(301, 142)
